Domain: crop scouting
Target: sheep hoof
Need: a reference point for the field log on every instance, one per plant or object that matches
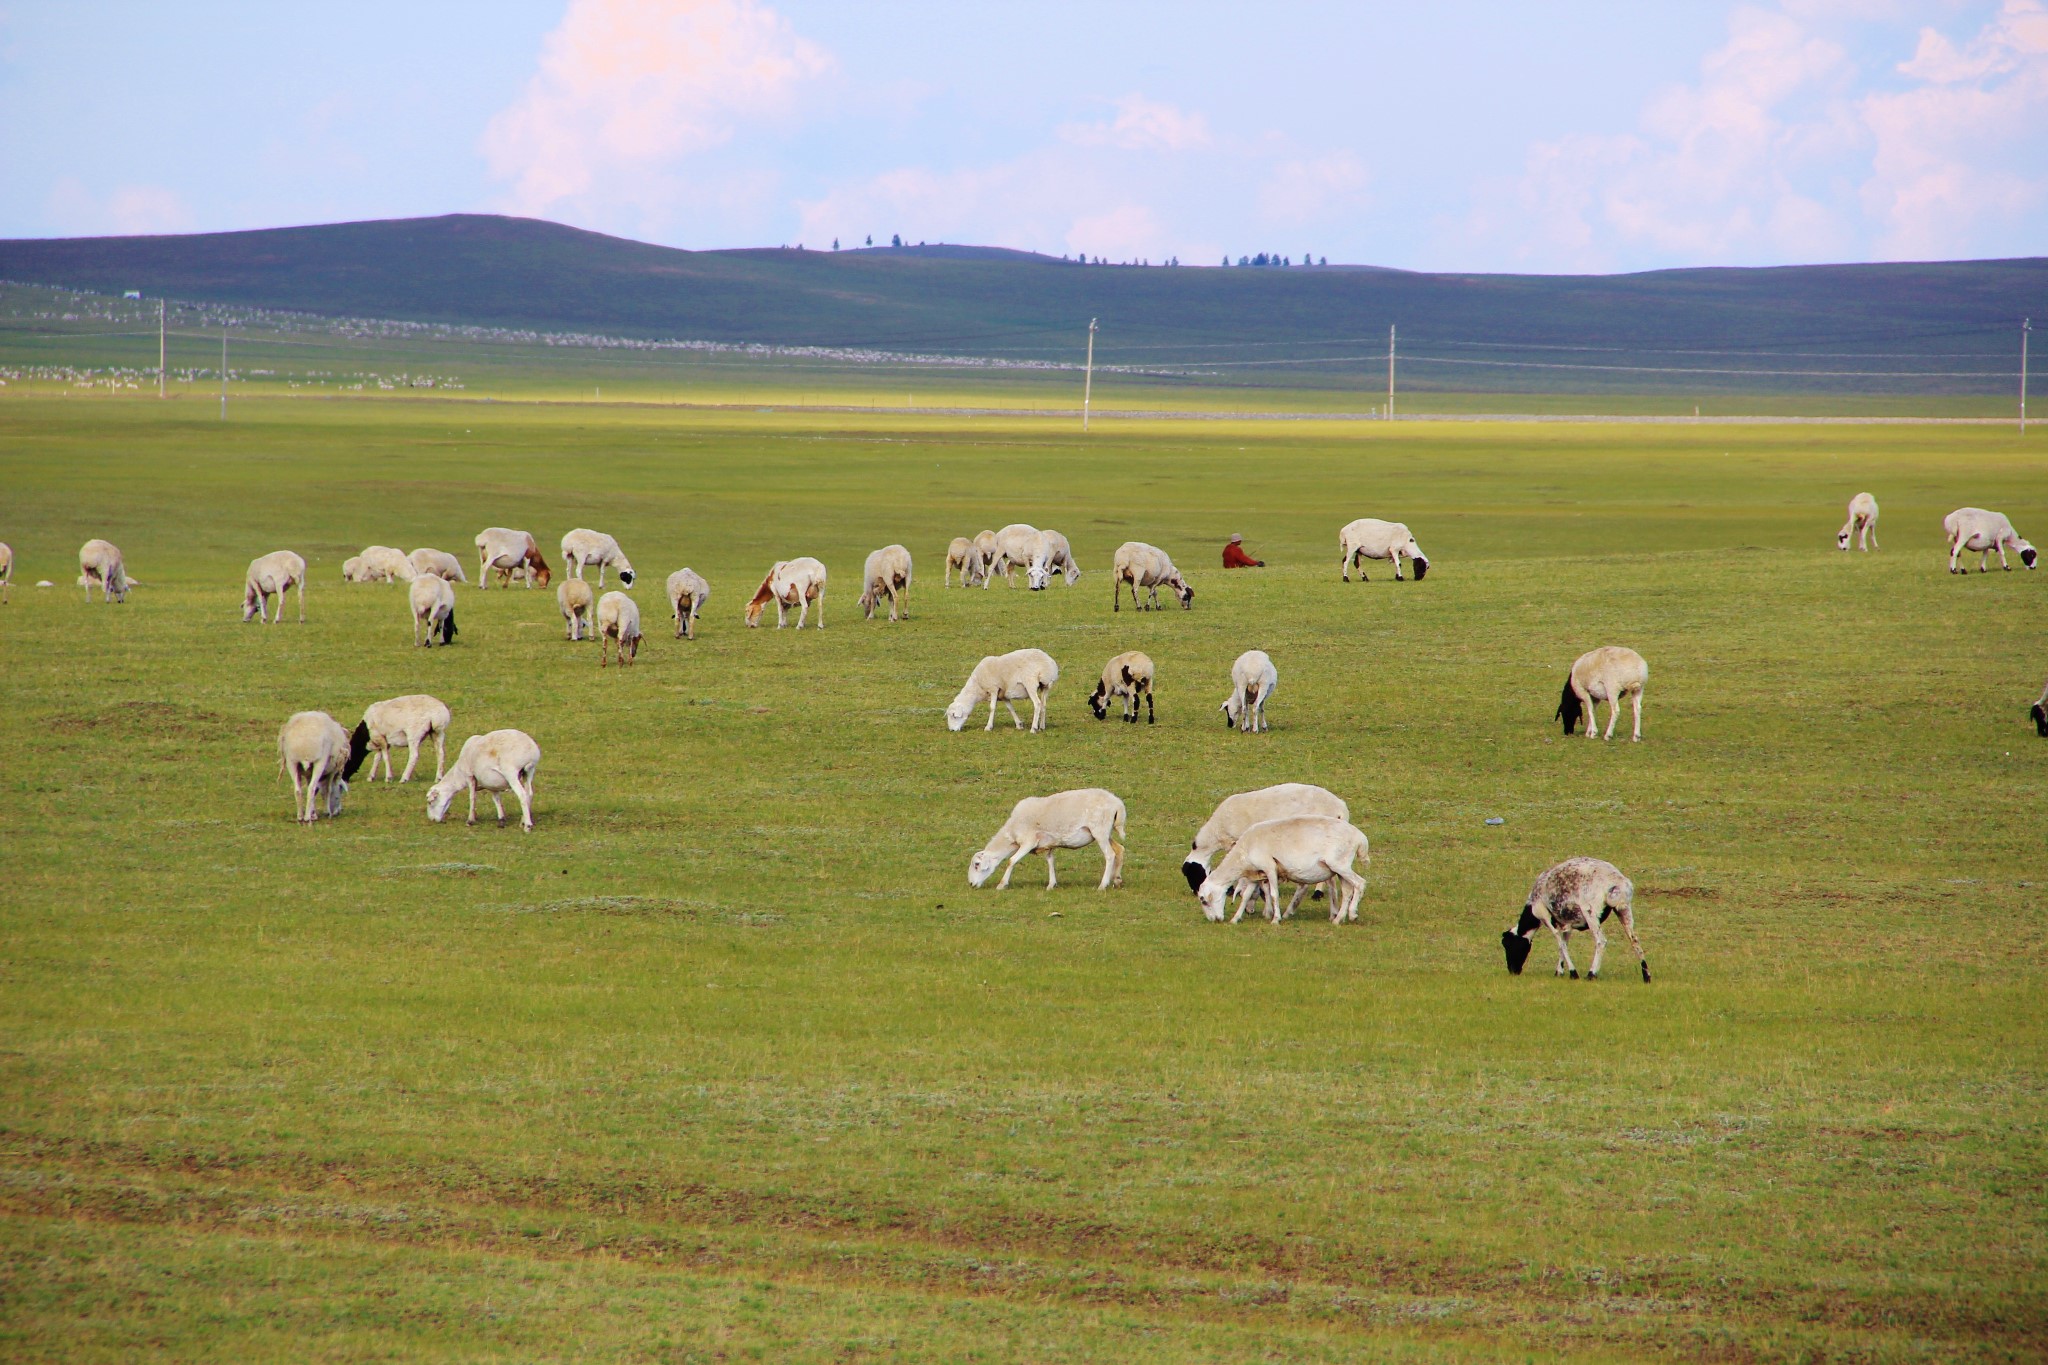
(1646, 972)
(1575, 973)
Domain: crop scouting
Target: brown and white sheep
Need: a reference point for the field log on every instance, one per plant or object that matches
(1577, 894)
(790, 583)
(1129, 676)
(500, 550)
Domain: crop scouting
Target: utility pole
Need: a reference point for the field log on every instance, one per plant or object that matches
(1390, 371)
(2026, 327)
(223, 372)
(1088, 376)
(159, 348)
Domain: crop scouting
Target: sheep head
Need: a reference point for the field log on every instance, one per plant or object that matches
(1569, 708)
(958, 712)
(1181, 590)
(1417, 561)
(982, 865)
(1037, 577)
(1842, 539)
(1098, 702)
(2027, 555)
(1214, 893)
(1517, 947)
(438, 798)
(2040, 714)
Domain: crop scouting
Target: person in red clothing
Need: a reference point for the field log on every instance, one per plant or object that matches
(1234, 556)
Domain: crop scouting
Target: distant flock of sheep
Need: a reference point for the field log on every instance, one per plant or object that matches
(1252, 845)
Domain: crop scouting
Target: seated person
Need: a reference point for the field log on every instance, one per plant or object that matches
(1234, 556)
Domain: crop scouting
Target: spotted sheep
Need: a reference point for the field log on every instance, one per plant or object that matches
(1304, 849)
(1252, 681)
(1129, 676)
(320, 757)
(887, 571)
(99, 561)
(432, 599)
(1371, 538)
(1861, 525)
(501, 761)
(687, 594)
(501, 550)
(1146, 566)
(1047, 824)
(409, 721)
(1006, 678)
(273, 575)
(1607, 674)
(583, 547)
(790, 583)
(1575, 896)
(1975, 530)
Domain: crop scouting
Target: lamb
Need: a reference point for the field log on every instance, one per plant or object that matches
(963, 555)
(1050, 554)
(503, 550)
(378, 564)
(887, 571)
(433, 605)
(1006, 678)
(790, 583)
(1128, 675)
(501, 761)
(1577, 894)
(1014, 545)
(321, 758)
(985, 545)
(438, 563)
(1973, 528)
(582, 548)
(1046, 824)
(1146, 566)
(2039, 713)
(411, 721)
(6, 569)
(576, 599)
(1252, 680)
(1236, 814)
(270, 574)
(1607, 674)
(1304, 849)
(618, 618)
(99, 561)
(1862, 523)
(687, 594)
(1371, 538)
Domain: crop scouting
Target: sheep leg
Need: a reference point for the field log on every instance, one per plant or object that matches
(439, 741)
(297, 801)
(1628, 926)
(1564, 956)
(992, 714)
(413, 740)
(1636, 700)
(1344, 905)
(1051, 878)
(1599, 946)
(499, 805)
(1116, 592)
(1112, 860)
(803, 611)
(313, 782)
(472, 799)
(1151, 714)
(1272, 876)
(600, 571)
(1294, 901)
(1038, 696)
(1344, 563)
(1010, 867)
(302, 602)
(524, 791)
(1014, 718)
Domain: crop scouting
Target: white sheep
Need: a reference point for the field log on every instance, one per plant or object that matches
(985, 546)
(1576, 895)
(582, 548)
(501, 761)
(1862, 523)
(1304, 849)
(687, 594)
(381, 564)
(1129, 675)
(432, 598)
(321, 758)
(887, 571)
(1146, 566)
(99, 561)
(1006, 678)
(1047, 824)
(503, 550)
(273, 575)
(618, 619)
(1252, 680)
(1607, 674)
(963, 555)
(576, 598)
(6, 569)
(1371, 538)
(1237, 813)
(438, 563)
(410, 721)
(1050, 554)
(790, 583)
(1973, 528)
(1013, 546)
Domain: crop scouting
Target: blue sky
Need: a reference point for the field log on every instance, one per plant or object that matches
(1453, 136)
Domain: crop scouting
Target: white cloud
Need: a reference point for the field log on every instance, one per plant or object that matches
(130, 210)
(628, 90)
(1303, 189)
(1142, 125)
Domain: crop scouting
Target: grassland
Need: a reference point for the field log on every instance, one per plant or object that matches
(725, 1061)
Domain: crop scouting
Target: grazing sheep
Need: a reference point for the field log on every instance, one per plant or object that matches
(1146, 566)
(1252, 680)
(321, 758)
(1304, 849)
(963, 555)
(501, 761)
(411, 721)
(582, 548)
(1973, 528)
(687, 594)
(1862, 523)
(503, 550)
(790, 583)
(887, 571)
(1607, 674)
(576, 598)
(1577, 894)
(438, 563)
(985, 545)
(1050, 554)
(273, 574)
(433, 605)
(1236, 814)
(1047, 824)
(354, 571)
(1371, 538)
(1006, 678)
(6, 569)
(1013, 547)
(377, 564)
(2038, 712)
(99, 561)
(618, 618)
(1128, 675)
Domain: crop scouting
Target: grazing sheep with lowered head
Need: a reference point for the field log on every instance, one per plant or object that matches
(501, 761)
(1252, 680)
(1145, 566)
(582, 548)
(321, 758)
(273, 575)
(432, 598)
(576, 598)
(1371, 538)
(378, 564)
(409, 720)
(1861, 525)
(1974, 529)
(1304, 849)
(618, 618)
(687, 594)
(1006, 678)
(99, 561)
(1050, 554)
(1238, 813)
(985, 545)
(790, 583)
(1046, 824)
(964, 556)
(1129, 676)
(439, 563)
(887, 571)
(1607, 674)
(1577, 894)
(501, 550)
(6, 569)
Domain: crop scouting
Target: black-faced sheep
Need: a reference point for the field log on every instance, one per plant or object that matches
(1576, 895)
(1607, 674)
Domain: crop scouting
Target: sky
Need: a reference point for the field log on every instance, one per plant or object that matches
(1561, 137)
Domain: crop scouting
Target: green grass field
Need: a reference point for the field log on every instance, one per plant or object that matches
(725, 1061)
